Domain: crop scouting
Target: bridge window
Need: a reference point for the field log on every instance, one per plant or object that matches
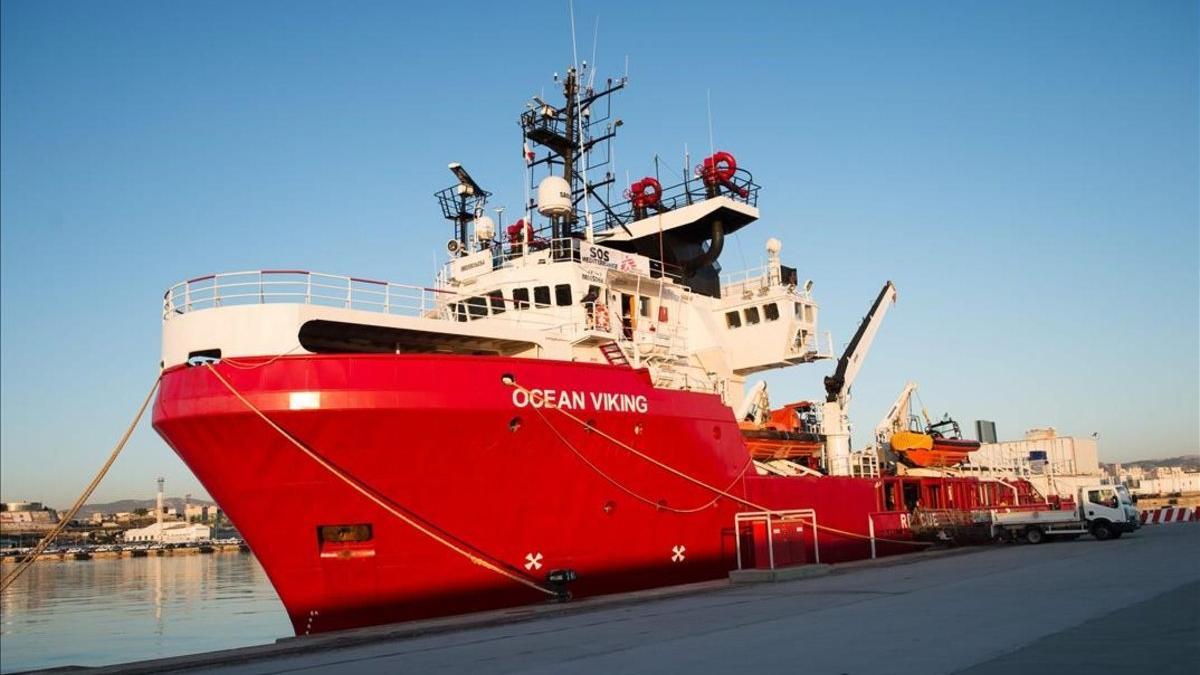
(541, 296)
(733, 319)
(520, 298)
(771, 311)
(751, 316)
(497, 299)
(562, 295)
(644, 306)
(476, 307)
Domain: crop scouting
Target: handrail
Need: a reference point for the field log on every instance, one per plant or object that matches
(767, 517)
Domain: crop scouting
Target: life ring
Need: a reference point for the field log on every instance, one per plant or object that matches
(600, 317)
(717, 169)
(645, 193)
(514, 232)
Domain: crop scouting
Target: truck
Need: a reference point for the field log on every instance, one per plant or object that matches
(1104, 511)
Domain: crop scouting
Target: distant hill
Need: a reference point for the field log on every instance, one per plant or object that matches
(1188, 462)
(131, 505)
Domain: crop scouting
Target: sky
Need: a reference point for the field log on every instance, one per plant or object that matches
(1025, 172)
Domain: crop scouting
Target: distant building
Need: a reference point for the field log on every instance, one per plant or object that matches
(97, 518)
(1042, 451)
(171, 533)
(203, 514)
(27, 515)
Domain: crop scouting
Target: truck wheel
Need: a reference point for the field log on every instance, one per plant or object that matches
(1034, 535)
(1102, 531)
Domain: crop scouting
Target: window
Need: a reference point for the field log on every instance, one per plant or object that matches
(541, 296)
(458, 311)
(799, 311)
(644, 305)
(751, 316)
(497, 299)
(733, 319)
(562, 295)
(476, 307)
(771, 311)
(520, 298)
(808, 313)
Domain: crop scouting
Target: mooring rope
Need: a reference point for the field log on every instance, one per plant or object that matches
(656, 504)
(28, 561)
(357, 486)
(510, 381)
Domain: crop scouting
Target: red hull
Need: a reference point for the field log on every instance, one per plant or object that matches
(443, 439)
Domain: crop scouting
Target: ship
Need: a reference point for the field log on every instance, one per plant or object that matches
(564, 412)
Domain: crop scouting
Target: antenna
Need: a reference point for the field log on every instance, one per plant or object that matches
(595, 35)
(712, 150)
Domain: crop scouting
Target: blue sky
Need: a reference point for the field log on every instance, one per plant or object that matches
(1026, 172)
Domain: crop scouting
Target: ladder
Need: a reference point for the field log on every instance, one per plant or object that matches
(614, 354)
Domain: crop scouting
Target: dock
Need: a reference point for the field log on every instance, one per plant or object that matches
(1124, 606)
(189, 549)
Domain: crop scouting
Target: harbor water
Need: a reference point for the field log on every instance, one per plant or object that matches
(98, 612)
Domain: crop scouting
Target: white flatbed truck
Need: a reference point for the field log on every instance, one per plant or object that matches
(1104, 511)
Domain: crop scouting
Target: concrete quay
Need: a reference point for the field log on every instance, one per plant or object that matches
(1125, 606)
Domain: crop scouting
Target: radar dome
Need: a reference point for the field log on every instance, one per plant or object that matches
(485, 228)
(554, 196)
(774, 246)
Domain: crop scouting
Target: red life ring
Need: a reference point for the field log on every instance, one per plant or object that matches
(645, 192)
(514, 232)
(717, 169)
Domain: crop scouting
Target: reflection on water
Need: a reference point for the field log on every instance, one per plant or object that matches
(99, 612)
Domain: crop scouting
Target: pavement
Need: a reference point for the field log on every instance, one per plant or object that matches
(1125, 606)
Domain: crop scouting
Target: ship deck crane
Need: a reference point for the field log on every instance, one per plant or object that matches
(835, 423)
(897, 418)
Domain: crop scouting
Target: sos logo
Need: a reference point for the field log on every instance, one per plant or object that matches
(597, 253)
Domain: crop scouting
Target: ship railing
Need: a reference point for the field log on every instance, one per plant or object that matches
(760, 280)
(262, 287)
(740, 188)
(565, 249)
(743, 527)
(814, 345)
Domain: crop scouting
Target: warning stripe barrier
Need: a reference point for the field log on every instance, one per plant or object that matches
(1171, 514)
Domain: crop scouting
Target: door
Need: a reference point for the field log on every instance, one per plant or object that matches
(628, 311)
(1102, 502)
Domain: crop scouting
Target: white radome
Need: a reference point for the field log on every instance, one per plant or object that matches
(554, 196)
(774, 246)
(485, 228)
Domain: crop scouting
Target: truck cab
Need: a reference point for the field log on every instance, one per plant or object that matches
(1108, 510)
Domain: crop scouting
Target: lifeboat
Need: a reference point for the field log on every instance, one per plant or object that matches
(934, 449)
(783, 435)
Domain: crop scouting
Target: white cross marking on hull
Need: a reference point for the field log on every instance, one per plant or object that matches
(533, 561)
(677, 553)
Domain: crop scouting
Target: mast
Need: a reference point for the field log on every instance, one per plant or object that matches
(567, 140)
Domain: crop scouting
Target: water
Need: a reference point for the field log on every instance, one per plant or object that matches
(99, 612)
